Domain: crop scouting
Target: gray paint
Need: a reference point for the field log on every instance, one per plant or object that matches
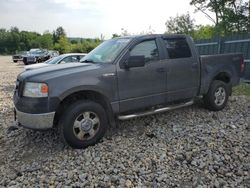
(158, 82)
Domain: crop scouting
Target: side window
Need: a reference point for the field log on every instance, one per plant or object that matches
(66, 60)
(75, 59)
(177, 48)
(146, 48)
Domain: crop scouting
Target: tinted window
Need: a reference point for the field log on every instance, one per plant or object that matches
(177, 48)
(146, 48)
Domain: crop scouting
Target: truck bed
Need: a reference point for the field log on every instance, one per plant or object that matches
(212, 65)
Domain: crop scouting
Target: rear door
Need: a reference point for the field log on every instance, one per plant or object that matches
(141, 87)
(182, 69)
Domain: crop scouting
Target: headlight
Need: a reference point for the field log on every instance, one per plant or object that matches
(32, 89)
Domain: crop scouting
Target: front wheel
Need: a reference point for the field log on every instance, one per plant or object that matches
(217, 96)
(83, 124)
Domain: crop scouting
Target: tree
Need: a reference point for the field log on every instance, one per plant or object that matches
(114, 35)
(46, 41)
(204, 32)
(58, 33)
(182, 24)
(228, 15)
(14, 40)
(63, 45)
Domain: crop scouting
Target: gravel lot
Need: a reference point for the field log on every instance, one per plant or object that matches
(189, 147)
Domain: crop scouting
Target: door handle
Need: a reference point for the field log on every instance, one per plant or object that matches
(160, 70)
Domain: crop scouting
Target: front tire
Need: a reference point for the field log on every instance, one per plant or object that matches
(83, 124)
(217, 96)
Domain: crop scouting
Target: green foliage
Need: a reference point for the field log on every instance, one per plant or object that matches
(182, 24)
(14, 40)
(63, 45)
(242, 89)
(46, 41)
(204, 32)
(229, 16)
(58, 33)
(114, 35)
(85, 46)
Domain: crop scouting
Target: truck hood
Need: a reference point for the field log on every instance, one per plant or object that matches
(35, 66)
(60, 70)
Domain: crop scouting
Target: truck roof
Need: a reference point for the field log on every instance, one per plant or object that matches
(155, 35)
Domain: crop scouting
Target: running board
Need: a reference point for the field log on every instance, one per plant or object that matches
(155, 111)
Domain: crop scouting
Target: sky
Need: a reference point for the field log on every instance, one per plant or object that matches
(91, 18)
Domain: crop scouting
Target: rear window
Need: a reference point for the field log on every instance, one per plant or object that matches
(177, 48)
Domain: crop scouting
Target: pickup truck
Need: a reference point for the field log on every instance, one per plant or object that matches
(123, 78)
(19, 56)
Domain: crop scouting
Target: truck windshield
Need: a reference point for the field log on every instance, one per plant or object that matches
(106, 52)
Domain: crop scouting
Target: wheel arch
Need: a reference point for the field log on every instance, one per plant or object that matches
(223, 76)
(88, 94)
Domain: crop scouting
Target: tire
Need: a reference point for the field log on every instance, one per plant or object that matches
(83, 124)
(217, 96)
(15, 61)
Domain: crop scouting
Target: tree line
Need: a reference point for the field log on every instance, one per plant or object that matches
(13, 40)
(228, 17)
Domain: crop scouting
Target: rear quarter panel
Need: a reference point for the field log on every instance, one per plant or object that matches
(213, 65)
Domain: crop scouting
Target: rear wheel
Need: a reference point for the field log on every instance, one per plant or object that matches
(15, 61)
(217, 96)
(83, 124)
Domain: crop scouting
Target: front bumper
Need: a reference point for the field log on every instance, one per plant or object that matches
(35, 121)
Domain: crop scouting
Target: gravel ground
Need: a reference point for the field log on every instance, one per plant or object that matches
(189, 147)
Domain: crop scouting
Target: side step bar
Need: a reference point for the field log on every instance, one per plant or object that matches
(154, 111)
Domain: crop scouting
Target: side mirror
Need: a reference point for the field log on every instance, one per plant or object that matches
(135, 61)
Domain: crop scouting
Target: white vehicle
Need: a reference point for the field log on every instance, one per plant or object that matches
(64, 58)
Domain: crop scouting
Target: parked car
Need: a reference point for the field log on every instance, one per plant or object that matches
(53, 53)
(35, 56)
(19, 56)
(64, 58)
(123, 78)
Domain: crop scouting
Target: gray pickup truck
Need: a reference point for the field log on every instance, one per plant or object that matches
(123, 78)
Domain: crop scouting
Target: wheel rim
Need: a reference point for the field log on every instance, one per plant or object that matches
(86, 125)
(220, 96)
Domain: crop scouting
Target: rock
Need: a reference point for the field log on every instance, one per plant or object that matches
(83, 177)
(188, 156)
(194, 163)
(129, 183)
(188, 147)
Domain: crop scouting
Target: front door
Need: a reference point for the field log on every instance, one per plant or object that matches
(141, 87)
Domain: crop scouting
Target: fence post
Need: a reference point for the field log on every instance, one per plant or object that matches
(220, 43)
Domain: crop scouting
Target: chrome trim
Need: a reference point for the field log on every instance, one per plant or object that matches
(154, 111)
(108, 74)
(35, 121)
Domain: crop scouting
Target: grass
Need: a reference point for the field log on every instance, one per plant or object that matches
(242, 89)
